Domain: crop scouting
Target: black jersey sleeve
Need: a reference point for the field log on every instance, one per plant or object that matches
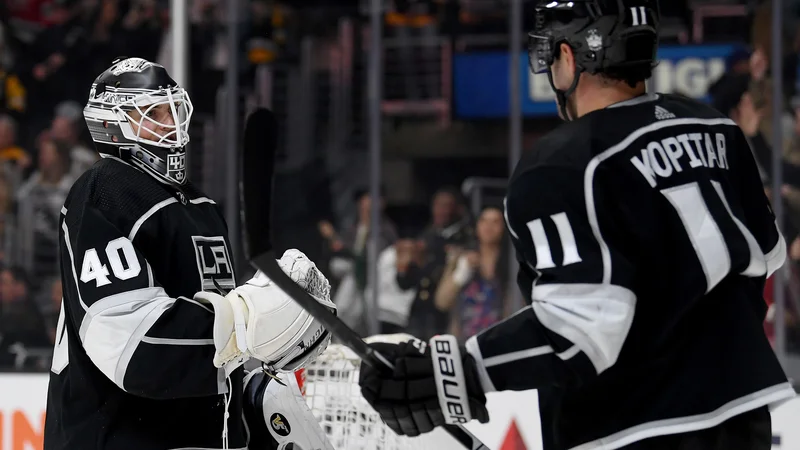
(579, 283)
(758, 215)
(146, 342)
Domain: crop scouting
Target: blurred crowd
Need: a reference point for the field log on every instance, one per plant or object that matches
(745, 93)
(450, 274)
(50, 52)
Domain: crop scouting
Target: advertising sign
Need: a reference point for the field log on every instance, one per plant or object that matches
(481, 80)
(23, 400)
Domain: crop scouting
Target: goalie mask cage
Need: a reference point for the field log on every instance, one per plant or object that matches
(330, 386)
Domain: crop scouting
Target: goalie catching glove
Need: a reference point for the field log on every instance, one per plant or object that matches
(259, 320)
(432, 384)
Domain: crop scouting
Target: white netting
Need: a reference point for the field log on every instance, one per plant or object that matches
(332, 393)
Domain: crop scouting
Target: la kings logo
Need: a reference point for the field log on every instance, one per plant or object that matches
(213, 263)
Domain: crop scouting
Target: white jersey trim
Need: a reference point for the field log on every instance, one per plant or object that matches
(678, 425)
(167, 341)
(483, 376)
(516, 356)
(114, 326)
(594, 317)
(154, 209)
(777, 256)
(200, 200)
(72, 264)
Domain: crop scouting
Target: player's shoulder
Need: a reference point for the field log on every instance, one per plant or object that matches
(111, 184)
(122, 194)
(575, 146)
(567, 146)
(682, 107)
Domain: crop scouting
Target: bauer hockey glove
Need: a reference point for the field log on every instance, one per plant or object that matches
(432, 384)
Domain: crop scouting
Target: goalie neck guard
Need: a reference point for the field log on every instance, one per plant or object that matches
(136, 112)
(606, 36)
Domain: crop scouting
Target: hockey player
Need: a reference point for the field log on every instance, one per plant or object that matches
(153, 329)
(644, 238)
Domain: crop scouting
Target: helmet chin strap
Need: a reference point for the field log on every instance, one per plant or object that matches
(561, 96)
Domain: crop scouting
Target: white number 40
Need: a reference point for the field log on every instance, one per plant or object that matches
(116, 250)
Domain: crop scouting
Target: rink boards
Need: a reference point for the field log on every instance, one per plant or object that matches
(23, 398)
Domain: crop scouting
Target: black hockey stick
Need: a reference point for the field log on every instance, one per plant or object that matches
(258, 165)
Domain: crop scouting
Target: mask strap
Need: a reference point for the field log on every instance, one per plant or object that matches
(561, 96)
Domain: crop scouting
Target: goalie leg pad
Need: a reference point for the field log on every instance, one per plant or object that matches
(278, 417)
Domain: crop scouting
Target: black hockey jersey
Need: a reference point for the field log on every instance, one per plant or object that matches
(644, 238)
(132, 368)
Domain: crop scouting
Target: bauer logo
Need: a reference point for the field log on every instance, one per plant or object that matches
(280, 425)
(213, 263)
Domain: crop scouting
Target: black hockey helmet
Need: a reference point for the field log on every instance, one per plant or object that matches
(604, 35)
(138, 113)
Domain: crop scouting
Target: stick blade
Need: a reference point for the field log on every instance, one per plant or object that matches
(258, 167)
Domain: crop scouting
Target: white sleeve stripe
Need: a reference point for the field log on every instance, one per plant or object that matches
(516, 356)
(483, 376)
(777, 256)
(141, 220)
(150, 280)
(594, 317)
(114, 326)
(166, 341)
(64, 210)
(505, 216)
(199, 200)
(161, 305)
(72, 264)
(569, 353)
(196, 303)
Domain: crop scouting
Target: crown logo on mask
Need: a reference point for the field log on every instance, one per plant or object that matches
(594, 40)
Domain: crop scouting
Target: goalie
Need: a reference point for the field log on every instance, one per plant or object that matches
(153, 330)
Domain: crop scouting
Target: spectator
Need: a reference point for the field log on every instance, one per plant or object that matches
(49, 60)
(760, 64)
(11, 155)
(20, 320)
(472, 289)
(12, 92)
(420, 266)
(394, 303)
(349, 263)
(39, 203)
(7, 222)
(66, 129)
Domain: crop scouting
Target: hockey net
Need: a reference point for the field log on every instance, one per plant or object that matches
(330, 385)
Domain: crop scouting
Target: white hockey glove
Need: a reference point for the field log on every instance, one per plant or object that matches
(259, 320)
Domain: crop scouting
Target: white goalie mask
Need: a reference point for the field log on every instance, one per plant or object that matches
(137, 113)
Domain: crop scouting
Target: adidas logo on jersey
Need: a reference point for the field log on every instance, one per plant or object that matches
(662, 114)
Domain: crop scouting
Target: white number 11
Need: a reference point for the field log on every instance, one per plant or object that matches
(639, 14)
